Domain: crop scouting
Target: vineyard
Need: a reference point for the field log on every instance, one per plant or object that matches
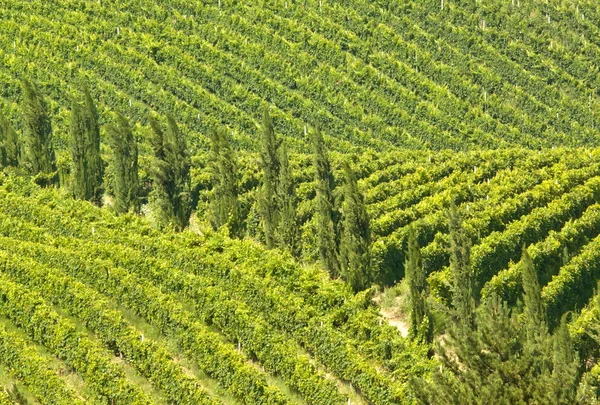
(433, 113)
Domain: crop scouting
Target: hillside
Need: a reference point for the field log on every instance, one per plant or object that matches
(485, 74)
(459, 140)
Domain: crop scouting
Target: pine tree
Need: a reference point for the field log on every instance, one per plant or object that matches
(355, 244)
(87, 169)
(460, 268)
(532, 297)
(10, 146)
(223, 197)
(39, 157)
(326, 220)
(170, 194)
(420, 323)
(287, 230)
(124, 165)
(270, 165)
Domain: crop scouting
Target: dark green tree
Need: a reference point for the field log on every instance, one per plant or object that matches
(420, 322)
(326, 218)
(532, 298)
(87, 168)
(10, 146)
(493, 364)
(460, 268)
(269, 156)
(355, 244)
(287, 230)
(39, 157)
(223, 197)
(124, 165)
(170, 195)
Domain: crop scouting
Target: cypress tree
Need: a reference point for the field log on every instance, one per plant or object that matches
(355, 246)
(287, 231)
(326, 220)
(420, 325)
(86, 167)
(39, 154)
(124, 165)
(94, 159)
(532, 298)
(460, 268)
(270, 164)
(223, 197)
(171, 175)
(10, 147)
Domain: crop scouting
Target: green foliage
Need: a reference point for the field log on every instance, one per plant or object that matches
(327, 219)
(38, 157)
(532, 297)
(170, 195)
(10, 144)
(223, 198)
(124, 165)
(287, 234)
(421, 327)
(87, 167)
(355, 243)
(460, 268)
(269, 155)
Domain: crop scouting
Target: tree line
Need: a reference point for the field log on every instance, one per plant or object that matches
(343, 226)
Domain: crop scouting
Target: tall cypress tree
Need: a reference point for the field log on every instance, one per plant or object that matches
(171, 187)
(420, 325)
(86, 167)
(124, 165)
(355, 244)
(287, 230)
(326, 220)
(39, 154)
(10, 146)
(460, 268)
(532, 298)
(270, 165)
(223, 197)
(95, 163)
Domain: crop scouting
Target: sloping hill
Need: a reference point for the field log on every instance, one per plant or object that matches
(413, 74)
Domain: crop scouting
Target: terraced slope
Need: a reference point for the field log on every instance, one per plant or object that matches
(200, 318)
(411, 74)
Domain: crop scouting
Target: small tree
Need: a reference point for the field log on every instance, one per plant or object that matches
(326, 219)
(124, 165)
(39, 157)
(10, 146)
(532, 297)
(355, 244)
(170, 194)
(223, 197)
(287, 231)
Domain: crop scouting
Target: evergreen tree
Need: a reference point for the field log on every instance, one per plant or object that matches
(326, 219)
(170, 194)
(492, 364)
(460, 268)
(420, 324)
(355, 246)
(532, 297)
(223, 197)
(10, 147)
(124, 165)
(39, 154)
(86, 167)
(287, 231)
(270, 164)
